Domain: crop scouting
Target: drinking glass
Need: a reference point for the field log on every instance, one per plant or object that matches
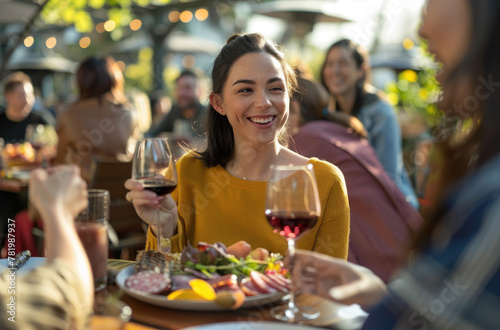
(292, 208)
(91, 226)
(153, 165)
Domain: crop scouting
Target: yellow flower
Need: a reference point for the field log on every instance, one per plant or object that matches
(409, 75)
(393, 99)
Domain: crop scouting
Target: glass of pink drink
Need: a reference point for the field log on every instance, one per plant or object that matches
(91, 228)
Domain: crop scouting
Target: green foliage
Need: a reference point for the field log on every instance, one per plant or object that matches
(416, 92)
(79, 12)
(140, 74)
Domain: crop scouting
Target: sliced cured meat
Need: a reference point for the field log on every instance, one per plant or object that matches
(282, 281)
(260, 284)
(226, 282)
(148, 282)
(248, 287)
(274, 284)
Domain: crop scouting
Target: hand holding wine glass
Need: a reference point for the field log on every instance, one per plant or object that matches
(154, 168)
(292, 208)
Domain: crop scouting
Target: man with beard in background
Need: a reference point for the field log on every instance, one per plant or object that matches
(187, 116)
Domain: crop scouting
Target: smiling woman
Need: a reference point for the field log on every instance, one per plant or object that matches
(221, 191)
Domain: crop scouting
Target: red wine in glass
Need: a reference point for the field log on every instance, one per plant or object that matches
(159, 186)
(291, 224)
(292, 208)
(153, 165)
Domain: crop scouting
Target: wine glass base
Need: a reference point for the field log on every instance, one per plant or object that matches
(297, 314)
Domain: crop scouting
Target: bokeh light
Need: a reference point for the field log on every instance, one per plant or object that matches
(174, 16)
(51, 42)
(201, 14)
(189, 61)
(84, 42)
(28, 41)
(100, 27)
(186, 16)
(109, 25)
(135, 24)
(121, 65)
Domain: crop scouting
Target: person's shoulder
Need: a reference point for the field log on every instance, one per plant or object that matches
(377, 105)
(190, 160)
(36, 117)
(325, 170)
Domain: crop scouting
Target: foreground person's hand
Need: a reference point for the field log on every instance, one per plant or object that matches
(337, 280)
(149, 207)
(59, 187)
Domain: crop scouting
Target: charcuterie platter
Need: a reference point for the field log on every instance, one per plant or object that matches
(206, 278)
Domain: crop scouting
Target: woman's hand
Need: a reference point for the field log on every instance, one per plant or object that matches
(58, 188)
(149, 207)
(337, 280)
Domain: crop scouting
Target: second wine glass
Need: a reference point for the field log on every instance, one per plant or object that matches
(292, 208)
(153, 165)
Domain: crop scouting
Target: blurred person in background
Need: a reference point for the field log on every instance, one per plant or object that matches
(101, 123)
(14, 120)
(452, 280)
(345, 74)
(18, 114)
(58, 294)
(382, 221)
(186, 115)
(161, 105)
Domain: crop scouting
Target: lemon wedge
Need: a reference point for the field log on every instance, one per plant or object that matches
(203, 289)
(200, 290)
(184, 294)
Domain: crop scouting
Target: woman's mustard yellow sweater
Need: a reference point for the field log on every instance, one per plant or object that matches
(215, 206)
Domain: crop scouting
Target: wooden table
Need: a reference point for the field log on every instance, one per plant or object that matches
(164, 318)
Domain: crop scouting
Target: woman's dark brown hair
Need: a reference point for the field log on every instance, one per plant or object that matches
(460, 156)
(98, 76)
(220, 138)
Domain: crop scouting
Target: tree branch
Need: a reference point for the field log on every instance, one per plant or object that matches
(21, 37)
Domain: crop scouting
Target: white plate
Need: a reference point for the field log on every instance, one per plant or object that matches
(31, 264)
(189, 305)
(250, 326)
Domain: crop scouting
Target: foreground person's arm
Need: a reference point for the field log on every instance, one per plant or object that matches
(58, 295)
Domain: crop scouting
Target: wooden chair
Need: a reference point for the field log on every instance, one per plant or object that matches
(111, 175)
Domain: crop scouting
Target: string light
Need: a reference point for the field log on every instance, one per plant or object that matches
(121, 65)
(100, 27)
(174, 16)
(189, 61)
(109, 25)
(51, 42)
(84, 42)
(135, 24)
(186, 16)
(28, 41)
(201, 14)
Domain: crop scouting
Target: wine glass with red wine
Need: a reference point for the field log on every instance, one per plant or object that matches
(153, 165)
(292, 208)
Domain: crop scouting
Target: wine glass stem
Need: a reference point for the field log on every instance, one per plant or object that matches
(158, 231)
(291, 255)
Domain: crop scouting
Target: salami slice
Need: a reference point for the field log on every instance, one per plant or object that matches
(148, 282)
